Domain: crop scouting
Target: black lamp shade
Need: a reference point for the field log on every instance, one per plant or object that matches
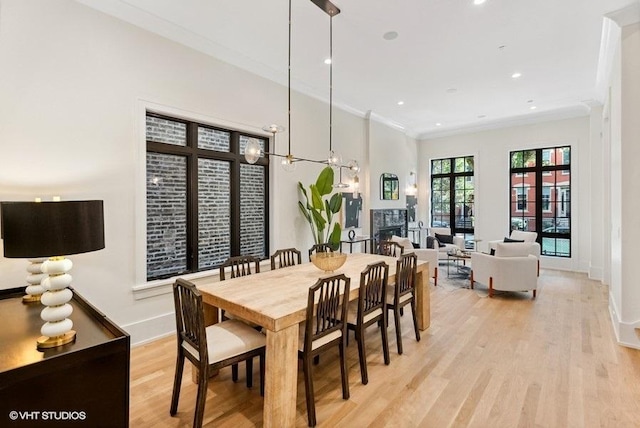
(48, 229)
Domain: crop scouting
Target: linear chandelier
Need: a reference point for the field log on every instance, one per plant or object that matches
(253, 150)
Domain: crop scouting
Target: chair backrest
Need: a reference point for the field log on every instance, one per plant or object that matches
(524, 235)
(285, 257)
(439, 231)
(239, 266)
(190, 320)
(373, 289)
(326, 309)
(406, 270)
(319, 248)
(390, 248)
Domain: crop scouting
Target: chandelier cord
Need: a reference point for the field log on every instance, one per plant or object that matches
(330, 82)
(289, 83)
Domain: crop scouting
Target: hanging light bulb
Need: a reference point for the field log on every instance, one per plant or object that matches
(334, 159)
(252, 151)
(288, 164)
(352, 168)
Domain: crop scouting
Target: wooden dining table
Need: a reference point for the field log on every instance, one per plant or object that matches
(277, 301)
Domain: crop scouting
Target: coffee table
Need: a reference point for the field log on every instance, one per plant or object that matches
(459, 262)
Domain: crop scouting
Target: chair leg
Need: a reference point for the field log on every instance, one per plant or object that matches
(490, 286)
(471, 279)
(250, 372)
(362, 355)
(234, 372)
(343, 369)
(385, 340)
(435, 277)
(177, 381)
(534, 294)
(308, 388)
(201, 398)
(396, 318)
(262, 374)
(415, 318)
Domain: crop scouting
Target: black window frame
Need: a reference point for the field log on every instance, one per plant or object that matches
(466, 230)
(193, 153)
(540, 170)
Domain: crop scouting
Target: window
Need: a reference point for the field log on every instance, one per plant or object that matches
(452, 195)
(541, 197)
(204, 202)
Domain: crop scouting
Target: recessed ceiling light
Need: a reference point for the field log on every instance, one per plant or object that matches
(390, 35)
(451, 91)
(478, 1)
(516, 75)
(438, 124)
(327, 61)
(482, 116)
(400, 103)
(529, 101)
(533, 107)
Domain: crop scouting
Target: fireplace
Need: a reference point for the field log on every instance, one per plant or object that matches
(387, 222)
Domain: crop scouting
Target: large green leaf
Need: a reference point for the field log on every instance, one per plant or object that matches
(335, 203)
(319, 220)
(304, 211)
(334, 238)
(316, 198)
(324, 183)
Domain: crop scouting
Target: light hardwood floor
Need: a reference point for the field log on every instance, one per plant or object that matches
(504, 362)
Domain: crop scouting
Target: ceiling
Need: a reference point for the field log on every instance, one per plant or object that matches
(451, 63)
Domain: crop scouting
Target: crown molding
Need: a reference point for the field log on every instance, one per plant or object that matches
(628, 15)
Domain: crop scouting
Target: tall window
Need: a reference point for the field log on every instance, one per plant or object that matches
(541, 197)
(204, 202)
(452, 190)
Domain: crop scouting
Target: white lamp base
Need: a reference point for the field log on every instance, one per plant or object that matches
(34, 289)
(57, 330)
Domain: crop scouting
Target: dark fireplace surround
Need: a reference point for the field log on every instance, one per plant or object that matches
(387, 222)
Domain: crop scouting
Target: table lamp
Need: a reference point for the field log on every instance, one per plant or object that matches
(53, 230)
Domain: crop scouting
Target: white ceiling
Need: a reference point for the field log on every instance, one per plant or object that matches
(441, 45)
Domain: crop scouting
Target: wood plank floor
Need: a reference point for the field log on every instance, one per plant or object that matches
(508, 361)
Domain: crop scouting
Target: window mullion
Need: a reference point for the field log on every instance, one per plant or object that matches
(192, 198)
(235, 196)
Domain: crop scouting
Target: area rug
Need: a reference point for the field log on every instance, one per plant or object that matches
(458, 283)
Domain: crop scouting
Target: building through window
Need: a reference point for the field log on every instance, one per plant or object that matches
(204, 202)
(540, 197)
(452, 195)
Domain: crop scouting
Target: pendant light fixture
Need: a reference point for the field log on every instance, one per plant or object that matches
(288, 162)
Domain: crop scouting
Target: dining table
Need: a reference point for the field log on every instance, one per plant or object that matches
(276, 300)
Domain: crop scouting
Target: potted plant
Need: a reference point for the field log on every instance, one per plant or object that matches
(319, 208)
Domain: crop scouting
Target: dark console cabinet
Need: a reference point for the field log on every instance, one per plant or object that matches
(81, 384)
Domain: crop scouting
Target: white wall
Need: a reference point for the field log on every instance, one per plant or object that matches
(74, 86)
(624, 135)
(491, 154)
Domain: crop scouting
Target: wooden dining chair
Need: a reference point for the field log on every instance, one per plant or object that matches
(239, 266)
(285, 258)
(209, 348)
(325, 327)
(403, 293)
(319, 248)
(390, 248)
(370, 309)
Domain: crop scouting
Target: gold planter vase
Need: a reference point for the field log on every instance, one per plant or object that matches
(328, 261)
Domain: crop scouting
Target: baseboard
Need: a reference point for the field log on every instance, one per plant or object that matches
(151, 329)
(596, 273)
(627, 333)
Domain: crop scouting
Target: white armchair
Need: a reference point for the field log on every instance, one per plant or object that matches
(521, 235)
(458, 241)
(429, 255)
(512, 268)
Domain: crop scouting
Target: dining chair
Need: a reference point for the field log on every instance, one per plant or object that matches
(319, 248)
(239, 266)
(285, 258)
(369, 309)
(390, 248)
(403, 292)
(209, 348)
(324, 327)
